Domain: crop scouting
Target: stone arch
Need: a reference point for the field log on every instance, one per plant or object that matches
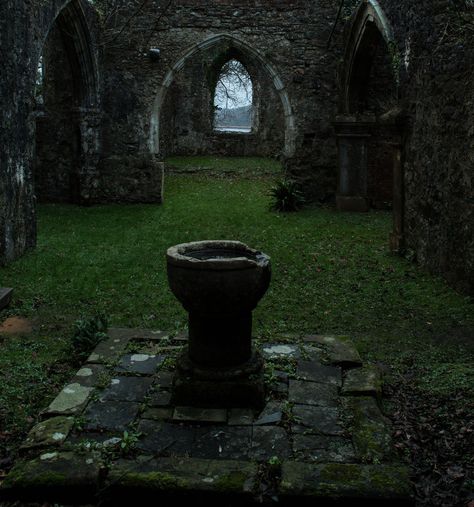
(252, 54)
(217, 67)
(75, 106)
(368, 23)
(70, 16)
(370, 145)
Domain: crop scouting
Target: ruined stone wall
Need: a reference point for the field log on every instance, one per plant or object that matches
(289, 36)
(24, 26)
(435, 43)
(188, 111)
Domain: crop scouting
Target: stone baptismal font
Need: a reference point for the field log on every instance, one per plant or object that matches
(219, 284)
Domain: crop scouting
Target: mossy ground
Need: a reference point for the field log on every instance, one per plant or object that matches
(332, 273)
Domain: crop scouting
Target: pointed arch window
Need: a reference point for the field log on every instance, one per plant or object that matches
(233, 99)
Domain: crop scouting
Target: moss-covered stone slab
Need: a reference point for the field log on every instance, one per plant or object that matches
(144, 364)
(371, 431)
(346, 481)
(211, 415)
(323, 449)
(54, 476)
(158, 437)
(146, 477)
(71, 400)
(313, 393)
(109, 350)
(317, 372)
(240, 417)
(363, 381)
(269, 442)
(160, 398)
(340, 350)
(217, 442)
(48, 433)
(126, 389)
(110, 415)
(91, 375)
(158, 413)
(317, 420)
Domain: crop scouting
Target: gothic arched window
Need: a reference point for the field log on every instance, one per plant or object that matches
(233, 99)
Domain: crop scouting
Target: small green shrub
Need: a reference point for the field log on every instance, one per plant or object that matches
(286, 196)
(88, 332)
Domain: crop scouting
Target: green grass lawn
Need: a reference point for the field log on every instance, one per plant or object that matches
(332, 273)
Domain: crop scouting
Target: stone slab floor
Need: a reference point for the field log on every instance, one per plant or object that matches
(112, 435)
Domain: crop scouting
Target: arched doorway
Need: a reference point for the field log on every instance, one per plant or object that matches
(67, 118)
(369, 128)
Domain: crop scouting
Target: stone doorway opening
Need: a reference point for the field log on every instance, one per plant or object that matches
(367, 129)
(66, 115)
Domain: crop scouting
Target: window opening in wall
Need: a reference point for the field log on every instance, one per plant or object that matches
(233, 99)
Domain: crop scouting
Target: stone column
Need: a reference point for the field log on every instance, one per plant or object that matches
(352, 139)
(398, 202)
(88, 121)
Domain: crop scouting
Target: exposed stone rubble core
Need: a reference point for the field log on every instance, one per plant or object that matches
(112, 433)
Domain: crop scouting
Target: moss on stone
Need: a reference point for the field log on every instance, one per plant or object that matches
(152, 480)
(231, 482)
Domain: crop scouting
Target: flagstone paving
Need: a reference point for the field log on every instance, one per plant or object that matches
(113, 433)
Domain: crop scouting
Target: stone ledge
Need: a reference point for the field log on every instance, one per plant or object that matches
(372, 483)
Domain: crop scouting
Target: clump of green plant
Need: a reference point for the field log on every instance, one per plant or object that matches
(88, 332)
(286, 196)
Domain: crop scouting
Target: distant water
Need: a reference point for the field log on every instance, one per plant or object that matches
(233, 129)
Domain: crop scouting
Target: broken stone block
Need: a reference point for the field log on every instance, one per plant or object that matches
(49, 433)
(271, 414)
(313, 393)
(71, 400)
(110, 415)
(317, 372)
(365, 381)
(144, 364)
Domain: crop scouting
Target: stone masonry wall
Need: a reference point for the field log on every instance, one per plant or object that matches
(290, 36)
(435, 41)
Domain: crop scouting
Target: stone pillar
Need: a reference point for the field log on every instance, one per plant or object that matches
(352, 139)
(397, 241)
(88, 122)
